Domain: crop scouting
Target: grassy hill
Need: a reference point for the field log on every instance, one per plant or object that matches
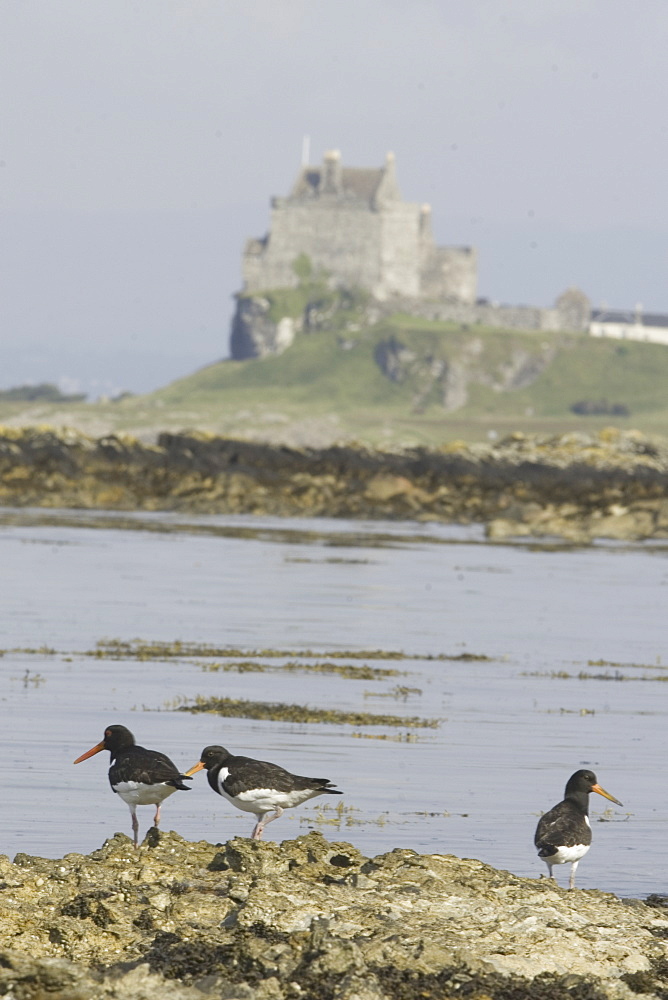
(442, 381)
(512, 379)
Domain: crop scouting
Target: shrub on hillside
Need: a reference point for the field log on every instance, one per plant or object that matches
(599, 407)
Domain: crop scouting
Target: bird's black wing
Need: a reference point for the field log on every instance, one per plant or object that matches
(563, 826)
(324, 783)
(150, 767)
(246, 774)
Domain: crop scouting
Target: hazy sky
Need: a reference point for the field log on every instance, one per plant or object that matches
(141, 140)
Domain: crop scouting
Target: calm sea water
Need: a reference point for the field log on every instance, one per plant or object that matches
(512, 728)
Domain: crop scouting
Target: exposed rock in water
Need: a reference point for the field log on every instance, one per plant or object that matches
(576, 486)
(309, 918)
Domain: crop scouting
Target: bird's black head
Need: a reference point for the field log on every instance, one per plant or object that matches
(117, 738)
(583, 782)
(211, 756)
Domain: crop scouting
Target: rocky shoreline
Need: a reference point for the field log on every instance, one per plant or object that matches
(309, 918)
(574, 486)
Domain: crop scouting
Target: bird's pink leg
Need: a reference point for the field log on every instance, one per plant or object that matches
(135, 826)
(278, 812)
(262, 822)
(571, 881)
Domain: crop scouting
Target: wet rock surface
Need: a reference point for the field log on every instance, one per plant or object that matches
(309, 918)
(575, 486)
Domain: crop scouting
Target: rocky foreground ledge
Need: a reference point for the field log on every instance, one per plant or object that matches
(312, 919)
(576, 486)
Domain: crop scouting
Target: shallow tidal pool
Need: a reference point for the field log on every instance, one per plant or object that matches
(447, 685)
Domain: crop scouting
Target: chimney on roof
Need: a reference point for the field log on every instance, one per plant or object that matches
(331, 175)
(389, 167)
(425, 217)
(637, 317)
(388, 190)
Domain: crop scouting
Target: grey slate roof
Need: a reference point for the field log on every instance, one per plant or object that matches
(628, 316)
(356, 182)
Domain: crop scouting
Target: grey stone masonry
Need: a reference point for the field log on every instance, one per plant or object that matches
(352, 223)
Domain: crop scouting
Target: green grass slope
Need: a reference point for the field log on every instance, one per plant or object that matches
(323, 371)
(315, 373)
(586, 368)
(451, 382)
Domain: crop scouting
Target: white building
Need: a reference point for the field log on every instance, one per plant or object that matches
(651, 328)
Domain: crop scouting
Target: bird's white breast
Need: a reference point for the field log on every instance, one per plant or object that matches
(564, 855)
(136, 793)
(223, 775)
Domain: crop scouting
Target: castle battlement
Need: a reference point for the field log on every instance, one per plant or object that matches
(352, 223)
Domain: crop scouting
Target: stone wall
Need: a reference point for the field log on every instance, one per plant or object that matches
(342, 241)
(481, 314)
(399, 252)
(451, 267)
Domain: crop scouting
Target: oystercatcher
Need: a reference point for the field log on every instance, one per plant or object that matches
(257, 786)
(563, 834)
(141, 777)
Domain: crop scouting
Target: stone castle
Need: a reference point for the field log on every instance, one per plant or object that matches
(352, 223)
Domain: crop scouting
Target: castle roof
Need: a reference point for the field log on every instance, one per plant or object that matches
(356, 182)
(332, 179)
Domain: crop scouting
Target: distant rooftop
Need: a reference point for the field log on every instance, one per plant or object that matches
(629, 317)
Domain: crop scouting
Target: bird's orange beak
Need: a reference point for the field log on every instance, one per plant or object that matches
(90, 753)
(199, 766)
(606, 795)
